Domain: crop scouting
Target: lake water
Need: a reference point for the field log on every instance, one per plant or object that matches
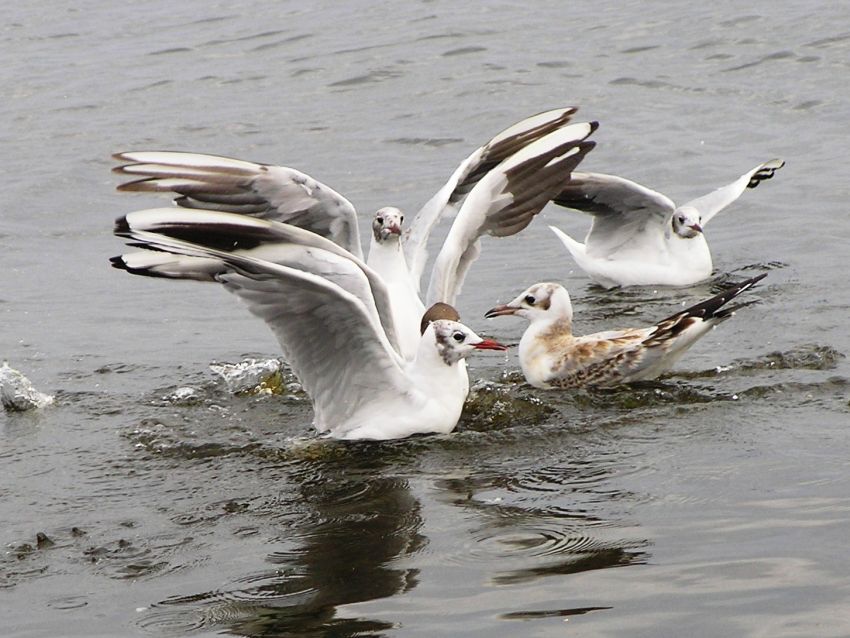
(715, 502)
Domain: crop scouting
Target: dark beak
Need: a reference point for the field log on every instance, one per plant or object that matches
(500, 311)
(490, 344)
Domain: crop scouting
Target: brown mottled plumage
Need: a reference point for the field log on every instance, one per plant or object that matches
(552, 357)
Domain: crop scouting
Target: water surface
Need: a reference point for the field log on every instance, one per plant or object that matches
(715, 499)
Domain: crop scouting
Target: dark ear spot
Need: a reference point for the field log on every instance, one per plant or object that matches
(545, 303)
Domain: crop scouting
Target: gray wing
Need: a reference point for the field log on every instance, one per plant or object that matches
(265, 191)
(711, 204)
(622, 210)
(158, 230)
(327, 337)
(469, 173)
(505, 201)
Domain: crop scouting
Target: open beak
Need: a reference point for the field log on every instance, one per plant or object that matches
(489, 344)
(500, 311)
(696, 227)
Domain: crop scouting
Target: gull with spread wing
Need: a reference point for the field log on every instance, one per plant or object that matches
(639, 237)
(330, 313)
(499, 189)
(552, 357)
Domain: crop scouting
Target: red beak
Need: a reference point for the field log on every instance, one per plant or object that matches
(696, 227)
(394, 229)
(490, 344)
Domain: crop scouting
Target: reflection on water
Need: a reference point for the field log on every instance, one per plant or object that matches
(358, 525)
(525, 541)
(356, 533)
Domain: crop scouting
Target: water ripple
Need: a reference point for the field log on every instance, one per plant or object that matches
(171, 622)
(379, 75)
(546, 548)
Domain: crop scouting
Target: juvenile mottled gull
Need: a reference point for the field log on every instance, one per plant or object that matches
(552, 357)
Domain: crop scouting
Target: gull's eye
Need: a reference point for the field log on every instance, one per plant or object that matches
(681, 219)
(402, 219)
(529, 299)
(380, 220)
(459, 336)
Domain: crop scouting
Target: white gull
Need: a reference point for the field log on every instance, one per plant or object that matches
(330, 314)
(639, 237)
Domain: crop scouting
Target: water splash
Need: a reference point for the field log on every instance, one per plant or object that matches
(17, 393)
(252, 376)
(491, 405)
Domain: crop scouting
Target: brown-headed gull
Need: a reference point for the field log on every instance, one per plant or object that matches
(639, 237)
(330, 314)
(499, 189)
(552, 357)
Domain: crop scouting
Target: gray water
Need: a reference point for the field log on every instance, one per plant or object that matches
(714, 502)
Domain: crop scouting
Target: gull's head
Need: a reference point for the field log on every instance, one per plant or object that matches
(540, 302)
(454, 341)
(687, 222)
(387, 224)
(439, 310)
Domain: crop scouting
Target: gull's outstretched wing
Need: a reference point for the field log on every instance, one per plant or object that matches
(711, 204)
(156, 231)
(265, 191)
(505, 201)
(622, 210)
(469, 173)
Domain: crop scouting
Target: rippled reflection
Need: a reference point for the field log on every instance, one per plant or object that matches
(346, 550)
(527, 538)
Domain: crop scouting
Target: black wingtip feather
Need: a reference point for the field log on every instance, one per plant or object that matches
(118, 262)
(121, 227)
(713, 307)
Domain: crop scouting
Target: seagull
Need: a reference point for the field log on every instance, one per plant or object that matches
(552, 357)
(639, 237)
(499, 189)
(330, 314)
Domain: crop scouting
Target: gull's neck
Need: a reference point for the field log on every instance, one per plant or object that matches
(550, 329)
(447, 382)
(387, 258)
(542, 344)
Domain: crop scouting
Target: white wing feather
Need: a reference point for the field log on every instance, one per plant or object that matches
(468, 174)
(711, 204)
(328, 338)
(505, 201)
